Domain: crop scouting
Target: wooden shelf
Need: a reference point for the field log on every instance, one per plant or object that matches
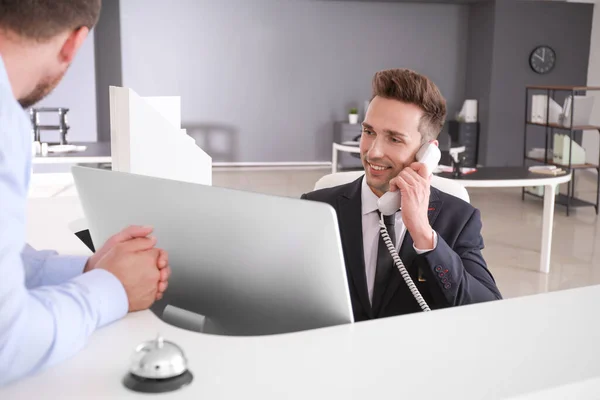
(574, 166)
(574, 128)
(562, 200)
(550, 128)
(563, 87)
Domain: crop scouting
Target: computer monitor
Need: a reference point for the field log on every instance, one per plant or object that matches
(252, 264)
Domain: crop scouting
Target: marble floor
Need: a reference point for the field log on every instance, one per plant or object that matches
(511, 229)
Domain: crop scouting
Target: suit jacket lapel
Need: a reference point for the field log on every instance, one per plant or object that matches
(407, 252)
(350, 220)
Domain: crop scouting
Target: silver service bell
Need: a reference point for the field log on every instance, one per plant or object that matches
(158, 366)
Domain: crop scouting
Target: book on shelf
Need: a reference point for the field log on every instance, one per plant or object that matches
(547, 170)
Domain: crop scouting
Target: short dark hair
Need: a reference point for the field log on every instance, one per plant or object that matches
(41, 20)
(413, 88)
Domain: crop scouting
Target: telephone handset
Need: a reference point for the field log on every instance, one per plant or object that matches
(429, 154)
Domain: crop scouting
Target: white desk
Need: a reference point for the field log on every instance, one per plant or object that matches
(95, 153)
(348, 148)
(48, 222)
(521, 177)
(487, 351)
(518, 348)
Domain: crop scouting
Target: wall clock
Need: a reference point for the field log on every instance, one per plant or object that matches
(542, 59)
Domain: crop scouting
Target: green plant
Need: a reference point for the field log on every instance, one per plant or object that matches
(353, 111)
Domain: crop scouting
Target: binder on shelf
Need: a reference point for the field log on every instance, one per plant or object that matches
(540, 104)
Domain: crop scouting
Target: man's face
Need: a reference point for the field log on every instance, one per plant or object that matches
(42, 89)
(389, 142)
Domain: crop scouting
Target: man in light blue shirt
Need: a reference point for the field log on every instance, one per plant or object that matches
(50, 304)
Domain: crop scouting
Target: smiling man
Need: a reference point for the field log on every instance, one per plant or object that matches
(438, 236)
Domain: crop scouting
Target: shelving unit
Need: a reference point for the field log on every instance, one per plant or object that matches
(465, 134)
(62, 127)
(344, 132)
(568, 200)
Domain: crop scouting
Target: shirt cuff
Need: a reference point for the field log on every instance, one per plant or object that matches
(435, 241)
(106, 293)
(59, 269)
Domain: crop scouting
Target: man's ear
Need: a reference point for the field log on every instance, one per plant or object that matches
(72, 44)
(434, 142)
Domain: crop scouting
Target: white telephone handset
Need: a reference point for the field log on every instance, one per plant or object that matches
(429, 154)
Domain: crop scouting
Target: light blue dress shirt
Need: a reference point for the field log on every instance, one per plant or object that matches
(48, 307)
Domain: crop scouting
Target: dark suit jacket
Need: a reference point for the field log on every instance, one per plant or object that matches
(453, 274)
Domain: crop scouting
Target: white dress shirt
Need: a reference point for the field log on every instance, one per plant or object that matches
(370, 231)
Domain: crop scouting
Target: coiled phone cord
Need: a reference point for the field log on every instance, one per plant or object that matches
(392, 249)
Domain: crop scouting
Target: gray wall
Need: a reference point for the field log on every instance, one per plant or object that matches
(479, 64)
(108, 62)
(266, 79)
(519, 27)
(77, 92)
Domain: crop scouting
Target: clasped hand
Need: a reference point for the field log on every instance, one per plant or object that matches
(131, 256)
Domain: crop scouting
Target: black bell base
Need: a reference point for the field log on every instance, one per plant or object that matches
(146, 385)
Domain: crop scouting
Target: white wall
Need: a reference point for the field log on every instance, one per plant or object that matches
(591, 138)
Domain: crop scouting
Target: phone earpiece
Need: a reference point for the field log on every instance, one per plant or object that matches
(429, 154)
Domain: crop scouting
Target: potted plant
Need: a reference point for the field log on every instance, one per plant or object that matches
(353, 116)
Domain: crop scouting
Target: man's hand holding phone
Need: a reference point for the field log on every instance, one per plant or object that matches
(414, 182)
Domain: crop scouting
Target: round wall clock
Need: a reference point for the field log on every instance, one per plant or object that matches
(542, 59)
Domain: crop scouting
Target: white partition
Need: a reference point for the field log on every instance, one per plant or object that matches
(147, 139)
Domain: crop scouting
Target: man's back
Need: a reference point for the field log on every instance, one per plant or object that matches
(31, 311)
(50, 304)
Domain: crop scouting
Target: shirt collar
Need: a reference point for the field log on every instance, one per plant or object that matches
(368, 198)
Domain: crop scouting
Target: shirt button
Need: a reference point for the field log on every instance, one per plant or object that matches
(441, 274)
(438, 268)
(447, 286)
(445, 280)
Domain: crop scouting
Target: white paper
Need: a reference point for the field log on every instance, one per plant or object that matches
(147, 140)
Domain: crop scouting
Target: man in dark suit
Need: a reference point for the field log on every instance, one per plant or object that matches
(438, 235)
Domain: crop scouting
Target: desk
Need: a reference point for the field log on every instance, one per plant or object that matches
(495, 350)
(520, 177)
(537, 347)
(48, 222)
(349, 147)
(95, 153)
